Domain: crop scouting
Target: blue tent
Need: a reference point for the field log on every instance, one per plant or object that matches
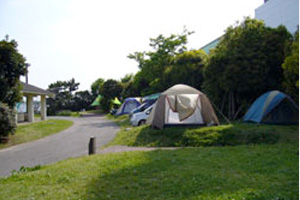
(128, 105)
(273, 107)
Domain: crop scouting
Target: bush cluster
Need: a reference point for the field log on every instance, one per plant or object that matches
(7, 120)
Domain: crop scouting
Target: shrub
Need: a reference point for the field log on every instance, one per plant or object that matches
(64, 113)
(191, 136)
(7, 121)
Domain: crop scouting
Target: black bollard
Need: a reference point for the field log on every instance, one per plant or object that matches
(92, 145)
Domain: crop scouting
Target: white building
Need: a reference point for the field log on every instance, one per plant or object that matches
(30, 91)
(279, 12)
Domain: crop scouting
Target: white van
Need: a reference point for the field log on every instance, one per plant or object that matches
(140, 118)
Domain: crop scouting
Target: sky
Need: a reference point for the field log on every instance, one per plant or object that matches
(91, 39)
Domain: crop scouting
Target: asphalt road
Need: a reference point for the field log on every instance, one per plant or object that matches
(72, 142)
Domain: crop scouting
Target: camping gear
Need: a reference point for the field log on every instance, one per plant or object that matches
(97, 101)
(273, 107)
(182, 105)
(128, 105)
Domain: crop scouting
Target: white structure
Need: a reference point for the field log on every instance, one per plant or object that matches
(30, 91)
(279, 12)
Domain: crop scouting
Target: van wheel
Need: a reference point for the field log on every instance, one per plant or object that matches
(142, 122)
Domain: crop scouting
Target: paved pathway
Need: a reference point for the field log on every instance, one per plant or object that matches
(72, 142)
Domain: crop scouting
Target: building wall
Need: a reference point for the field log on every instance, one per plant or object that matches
(211, 45)
(273, 13)
(280, 12)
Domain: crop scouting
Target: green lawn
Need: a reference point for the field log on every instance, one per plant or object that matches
(224, 135)
(238, 161)
(69, 113)
(241, 172)
(37, 130)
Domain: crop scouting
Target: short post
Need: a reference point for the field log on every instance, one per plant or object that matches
(92, 145)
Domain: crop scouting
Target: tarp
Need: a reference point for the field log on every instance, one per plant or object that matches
(273, 107)
(183, 104)
(97, 101)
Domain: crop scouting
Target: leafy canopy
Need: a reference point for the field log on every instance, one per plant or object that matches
(110, 89)
(12, 66)
(291, 69)
(64, 98)
(152, 64)
(246, 63)
(96, 86)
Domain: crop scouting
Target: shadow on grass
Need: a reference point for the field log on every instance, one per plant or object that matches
(224, 135)
(255, 172)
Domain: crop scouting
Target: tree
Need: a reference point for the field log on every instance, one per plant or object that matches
(110, 89)
(187, 68)
(96, 87)
(82, 100)
(64, 86)
(127, 78)
(72, 85)
(7, 121)
(12, 66)
(152, 64)
(245, 64)
(291, 69)
(141, 84)
(129, 90)
(64, 98)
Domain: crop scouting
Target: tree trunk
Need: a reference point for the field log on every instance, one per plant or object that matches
(233, 105)
(237, 112)
(223, 103)
(229, 103)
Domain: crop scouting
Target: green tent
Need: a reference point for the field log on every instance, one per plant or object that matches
(116, 101)
(151, 97)
(97, 101)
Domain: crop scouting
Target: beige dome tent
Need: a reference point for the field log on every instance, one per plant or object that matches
(182, 105)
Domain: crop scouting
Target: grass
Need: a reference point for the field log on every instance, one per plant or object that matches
(34, 131)
(224, 135)
(93, 112)
(265, 168)
(242, 172)
(122, 120)
(69, 113)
